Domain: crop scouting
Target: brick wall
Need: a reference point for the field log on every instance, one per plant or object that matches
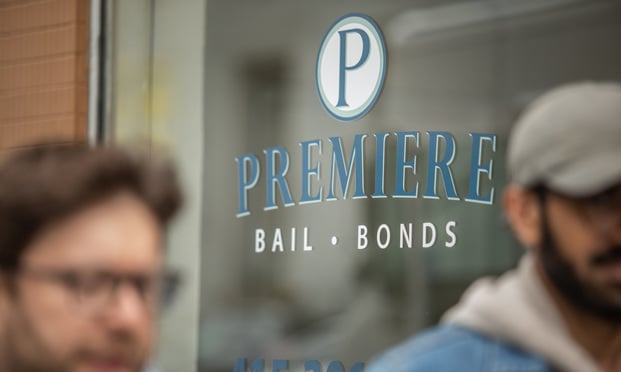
(43, 71)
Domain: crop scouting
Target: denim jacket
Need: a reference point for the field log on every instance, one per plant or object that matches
(451, 348)
(507, 324)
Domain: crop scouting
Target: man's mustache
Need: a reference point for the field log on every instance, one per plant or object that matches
(611, 255)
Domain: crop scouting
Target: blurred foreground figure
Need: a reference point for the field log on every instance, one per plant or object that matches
(81, 258)
(560, 310)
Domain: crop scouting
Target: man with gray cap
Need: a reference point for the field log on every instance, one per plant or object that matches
(560, 310)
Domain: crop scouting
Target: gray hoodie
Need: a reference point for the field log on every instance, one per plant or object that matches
(516, 308)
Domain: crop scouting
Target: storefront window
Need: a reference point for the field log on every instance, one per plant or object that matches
(353, 163)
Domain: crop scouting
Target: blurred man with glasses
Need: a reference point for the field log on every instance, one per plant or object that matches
(560, 310)
(81, 257)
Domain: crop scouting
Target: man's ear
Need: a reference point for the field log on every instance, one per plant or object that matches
(523, 212)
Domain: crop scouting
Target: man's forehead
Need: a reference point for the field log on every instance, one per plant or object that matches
(119, 230)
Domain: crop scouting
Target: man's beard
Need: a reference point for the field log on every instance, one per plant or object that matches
(566, 280)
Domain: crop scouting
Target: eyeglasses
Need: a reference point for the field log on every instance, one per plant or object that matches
(603, 210)
(93, 291)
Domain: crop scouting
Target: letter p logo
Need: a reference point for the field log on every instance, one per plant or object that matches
(364, 56)
(351, 67)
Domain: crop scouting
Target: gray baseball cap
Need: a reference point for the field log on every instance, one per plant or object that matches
(569, 139)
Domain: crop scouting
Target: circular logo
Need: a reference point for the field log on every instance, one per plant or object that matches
(351, 67)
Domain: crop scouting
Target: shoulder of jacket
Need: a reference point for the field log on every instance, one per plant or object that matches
(450, 348)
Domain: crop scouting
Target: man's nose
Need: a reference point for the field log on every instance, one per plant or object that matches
(127, 308)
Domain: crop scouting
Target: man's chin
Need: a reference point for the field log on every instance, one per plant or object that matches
(602, 300)
(612, 296)
(106, 365)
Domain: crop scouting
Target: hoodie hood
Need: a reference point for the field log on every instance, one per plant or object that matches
(515, 308)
